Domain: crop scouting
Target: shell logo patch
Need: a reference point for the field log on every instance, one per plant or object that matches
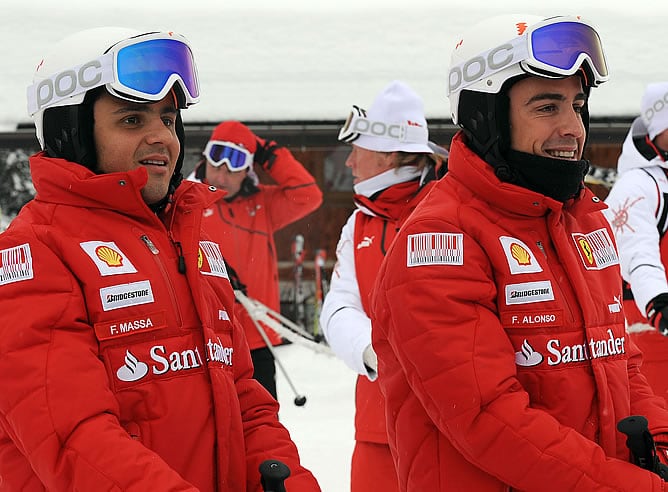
(596, 249)
(210, 260)
(111, 257)
(108, 257)
(522, 256)
(519, 256)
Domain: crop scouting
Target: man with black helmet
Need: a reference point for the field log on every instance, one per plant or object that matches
(497, 315)
(123, 366)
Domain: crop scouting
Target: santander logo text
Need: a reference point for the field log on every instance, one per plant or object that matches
(160, 360)
(557, 353)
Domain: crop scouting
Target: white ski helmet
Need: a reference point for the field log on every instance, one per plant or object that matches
(501, 48)
(130, 64)
(495, 53)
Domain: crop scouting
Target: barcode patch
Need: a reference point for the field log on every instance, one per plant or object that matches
(15, 264)
(435, 248)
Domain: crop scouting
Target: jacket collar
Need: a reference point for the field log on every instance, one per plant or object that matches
(470, 170)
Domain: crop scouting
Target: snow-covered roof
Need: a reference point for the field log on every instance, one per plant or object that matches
(295, 60)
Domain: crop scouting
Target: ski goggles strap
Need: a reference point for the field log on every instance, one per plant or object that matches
(143, 68)
(358, 124)
(548, 49)
(235, 157)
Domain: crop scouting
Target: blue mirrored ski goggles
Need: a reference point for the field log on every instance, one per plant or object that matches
(235, 157)
(144, 68)
(561, 47)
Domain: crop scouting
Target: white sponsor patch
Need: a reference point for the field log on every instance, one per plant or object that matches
(15, 264)
(124, 295)
(596, 249)
(108, 258)
(214, 259)
(520, 258)
(435, 248)
(528, 292)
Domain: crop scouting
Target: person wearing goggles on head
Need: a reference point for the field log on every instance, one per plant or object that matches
(497, 313)
(638, 211)
(123, 365)
(245, 220)
(393, 169)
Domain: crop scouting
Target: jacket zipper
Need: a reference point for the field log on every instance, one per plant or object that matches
(168, 282)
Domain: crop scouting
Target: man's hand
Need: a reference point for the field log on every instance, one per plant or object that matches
(657, 313)
(265, 153)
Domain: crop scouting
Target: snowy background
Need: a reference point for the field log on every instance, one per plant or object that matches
(291, 60)
(281, 60)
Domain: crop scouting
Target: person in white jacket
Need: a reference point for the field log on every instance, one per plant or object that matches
(638, 211)
(391, 161)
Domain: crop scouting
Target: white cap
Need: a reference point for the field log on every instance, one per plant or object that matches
(397, 104)
(654, 108)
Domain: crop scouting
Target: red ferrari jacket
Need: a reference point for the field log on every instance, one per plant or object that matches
(120, 372)
(500, 336)
(376, 225)
(245, 227)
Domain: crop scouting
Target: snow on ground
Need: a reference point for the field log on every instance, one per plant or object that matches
(323, 428)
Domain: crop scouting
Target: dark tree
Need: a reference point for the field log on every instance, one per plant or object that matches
(16, 187)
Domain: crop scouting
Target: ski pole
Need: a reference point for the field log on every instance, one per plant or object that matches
(282, 325)
(273, 474)
(300, 400)
(298, 253)
(641, 444)
(320, 257)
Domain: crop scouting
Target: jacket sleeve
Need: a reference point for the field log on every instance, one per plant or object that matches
(344, 322)
(633, 203)
(643, 400)
(295, 194)
(441, 324)
(57, 410)
(266, 438)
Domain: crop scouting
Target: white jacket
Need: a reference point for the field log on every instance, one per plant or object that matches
(638, 213)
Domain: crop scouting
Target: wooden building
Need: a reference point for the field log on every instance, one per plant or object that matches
(315, 145)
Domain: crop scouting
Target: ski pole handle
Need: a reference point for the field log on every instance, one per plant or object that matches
(641, 444)
(273, 474)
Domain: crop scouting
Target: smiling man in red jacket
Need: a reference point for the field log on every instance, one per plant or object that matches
(123, 366)
(497, 316)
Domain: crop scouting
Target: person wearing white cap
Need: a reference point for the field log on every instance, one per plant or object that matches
(639, 216)
(392, 170)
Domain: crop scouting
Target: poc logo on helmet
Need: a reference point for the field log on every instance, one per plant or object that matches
(477, 67)
(378, 128)
(70, 82)
(658, 106)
